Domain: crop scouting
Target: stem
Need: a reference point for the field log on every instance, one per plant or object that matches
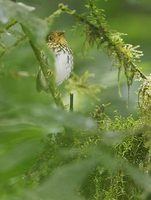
(55, 94)
(9, 25)
(44, 67)
(142, 75)
(71, 102)
(17, 43)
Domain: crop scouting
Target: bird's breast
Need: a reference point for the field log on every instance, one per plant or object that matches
(63, 64)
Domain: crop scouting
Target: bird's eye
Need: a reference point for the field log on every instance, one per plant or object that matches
(48, 37)
(61, 33)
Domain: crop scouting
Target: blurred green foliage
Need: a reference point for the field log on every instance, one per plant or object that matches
(102, 149)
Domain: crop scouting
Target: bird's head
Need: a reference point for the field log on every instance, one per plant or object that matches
(57, 37)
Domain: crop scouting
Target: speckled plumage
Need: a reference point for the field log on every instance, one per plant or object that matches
(63, 59)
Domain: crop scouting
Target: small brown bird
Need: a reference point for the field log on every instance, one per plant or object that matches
(63, 60)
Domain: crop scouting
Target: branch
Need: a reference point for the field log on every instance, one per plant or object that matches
(8, 26)
(44, 67)
(37, 51)
(17, 43)
(97, 31)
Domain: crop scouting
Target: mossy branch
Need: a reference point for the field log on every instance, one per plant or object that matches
(97, 31)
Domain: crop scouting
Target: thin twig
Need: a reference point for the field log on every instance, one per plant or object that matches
(17, 43)
(71, 102)
(8, 26)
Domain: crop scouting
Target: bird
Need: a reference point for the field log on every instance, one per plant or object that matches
(63, 60)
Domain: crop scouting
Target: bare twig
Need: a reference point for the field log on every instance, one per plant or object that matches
(71, 101)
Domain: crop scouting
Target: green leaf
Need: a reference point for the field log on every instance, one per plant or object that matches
(36, 26)
(64, 183)
(46, 116)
